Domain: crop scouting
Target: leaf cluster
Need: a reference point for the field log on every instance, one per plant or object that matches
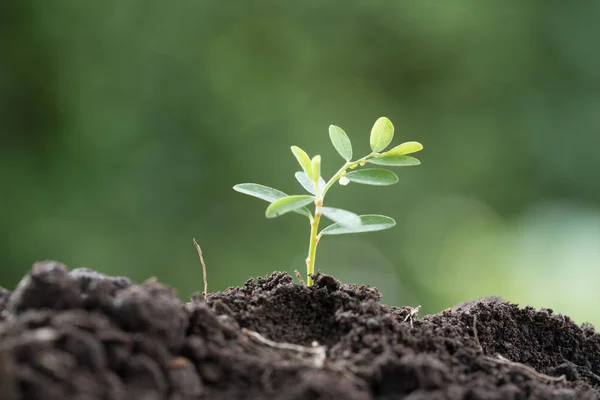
(311, 180)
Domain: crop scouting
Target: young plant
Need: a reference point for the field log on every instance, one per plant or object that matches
(311, 180)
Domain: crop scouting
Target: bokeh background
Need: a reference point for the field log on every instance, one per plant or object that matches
(124, 125)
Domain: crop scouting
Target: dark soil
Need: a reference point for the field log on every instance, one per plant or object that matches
(83, 335)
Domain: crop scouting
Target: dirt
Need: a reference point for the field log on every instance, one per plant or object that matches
(83, 335)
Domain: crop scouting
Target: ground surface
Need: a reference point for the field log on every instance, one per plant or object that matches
(82, 335)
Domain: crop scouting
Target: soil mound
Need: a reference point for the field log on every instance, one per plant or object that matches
(83, 335)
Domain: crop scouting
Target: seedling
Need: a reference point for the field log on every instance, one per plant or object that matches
(311, 180)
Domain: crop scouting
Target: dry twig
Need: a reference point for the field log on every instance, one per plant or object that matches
(205, 291)
(299, 277)
(475, 335)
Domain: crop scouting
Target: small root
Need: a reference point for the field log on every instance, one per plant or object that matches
(526, 369)
(319, 352)
(413, 313)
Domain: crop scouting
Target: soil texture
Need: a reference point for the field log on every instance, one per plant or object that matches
(83, 335)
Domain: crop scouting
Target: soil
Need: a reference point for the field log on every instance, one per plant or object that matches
(83, 335)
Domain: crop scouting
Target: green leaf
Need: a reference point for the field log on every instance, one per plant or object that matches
(369, 223)
(265, 193)
(287, 204)
(316, 168)
(307, 184)
(381, 134)
(372, 176)
(303, 160)
(394, 161)
(345, 218)
(259, 191)
(404, 148)
(341, 142)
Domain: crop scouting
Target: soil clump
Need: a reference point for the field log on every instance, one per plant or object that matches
(83, 335)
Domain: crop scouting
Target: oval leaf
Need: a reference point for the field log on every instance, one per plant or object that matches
(404, 148)
(316, 168)
(381, 134)
(341, 142)
(307, 184)
(287, 204)
(303, 160)
(345, 218)
(259, 191)
(369, 223)
(394, 161)
(372, 176)
(265, 193)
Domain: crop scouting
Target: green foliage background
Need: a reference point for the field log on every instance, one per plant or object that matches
(125, 123)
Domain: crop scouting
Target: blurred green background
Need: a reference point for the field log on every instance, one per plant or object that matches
(125, 123)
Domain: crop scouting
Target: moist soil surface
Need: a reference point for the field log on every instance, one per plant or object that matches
(83, 335)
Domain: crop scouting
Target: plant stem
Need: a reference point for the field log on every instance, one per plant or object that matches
(312, 247)
(314, 223)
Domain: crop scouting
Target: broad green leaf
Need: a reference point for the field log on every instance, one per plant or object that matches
(303, 160)
(265, 193)
(372, 176)
(369, 223)
(394, 161)
(341, 142)
(287, 204)
(345, 218)
(316, 168)
(404, 148)
(307, 184)
(381, 134)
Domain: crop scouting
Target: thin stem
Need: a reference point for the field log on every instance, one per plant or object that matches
(314, 223)
(341, 171)
(312, 247)
(336, 176)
